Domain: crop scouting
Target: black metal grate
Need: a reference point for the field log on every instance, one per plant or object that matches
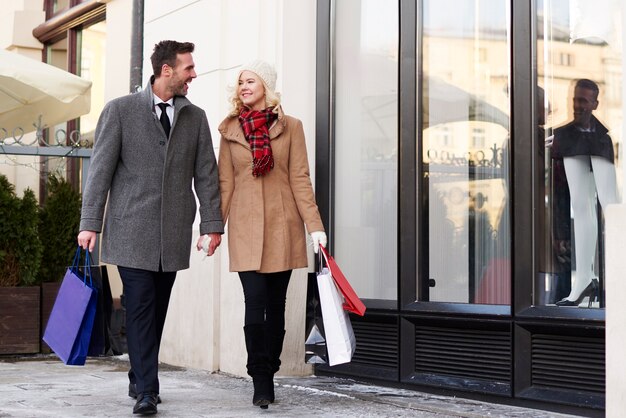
(376, 344)
(465, 353)
(568, 362)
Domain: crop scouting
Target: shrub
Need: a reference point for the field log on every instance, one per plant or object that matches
(20, 246)
(58, 228)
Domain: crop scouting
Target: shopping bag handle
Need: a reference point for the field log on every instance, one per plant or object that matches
(88, 269)
(76, 263)
(323, 260)
(319, 262)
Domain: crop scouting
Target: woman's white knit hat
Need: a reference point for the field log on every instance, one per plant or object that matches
(263, 70)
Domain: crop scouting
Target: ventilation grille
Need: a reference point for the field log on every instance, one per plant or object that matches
(568, 362)
(376, 344)
(466, 353)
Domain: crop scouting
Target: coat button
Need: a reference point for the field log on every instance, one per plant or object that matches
(161, 142)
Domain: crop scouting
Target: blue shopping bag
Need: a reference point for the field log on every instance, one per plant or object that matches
(71, 321)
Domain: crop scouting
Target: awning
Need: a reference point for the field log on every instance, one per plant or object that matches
(30, 88)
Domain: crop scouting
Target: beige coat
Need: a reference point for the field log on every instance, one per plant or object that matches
(266, 215)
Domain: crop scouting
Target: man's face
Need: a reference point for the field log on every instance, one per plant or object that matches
(585, 103)
(182, 74)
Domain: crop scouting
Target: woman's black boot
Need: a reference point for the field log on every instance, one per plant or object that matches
(274, 341)
(258, 365)
(262, 393)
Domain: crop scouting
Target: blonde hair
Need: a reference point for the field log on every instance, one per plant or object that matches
(272, 98)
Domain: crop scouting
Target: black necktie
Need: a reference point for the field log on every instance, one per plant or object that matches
(165, 120)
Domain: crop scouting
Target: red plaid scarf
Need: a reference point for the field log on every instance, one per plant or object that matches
(255, 125)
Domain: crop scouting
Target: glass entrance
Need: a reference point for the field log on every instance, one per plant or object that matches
(465, 129)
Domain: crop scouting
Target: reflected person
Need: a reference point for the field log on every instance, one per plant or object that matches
(588, 158)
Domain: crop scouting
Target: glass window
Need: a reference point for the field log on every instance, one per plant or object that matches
(366, 145)
(57, 135)
(465, 130)
(92, 65)
(577, 165)
(60, 5)
(89, 50)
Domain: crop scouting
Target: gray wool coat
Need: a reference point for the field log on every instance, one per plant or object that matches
(148, 179)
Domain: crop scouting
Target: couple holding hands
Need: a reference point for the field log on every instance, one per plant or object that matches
(150, 148)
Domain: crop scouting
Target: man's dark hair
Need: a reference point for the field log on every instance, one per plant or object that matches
(585, 83)
(165, 53)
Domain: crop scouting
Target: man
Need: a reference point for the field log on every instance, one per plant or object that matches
(587, 152)
(147, 173)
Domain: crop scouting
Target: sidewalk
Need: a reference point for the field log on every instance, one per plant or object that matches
(45, 387)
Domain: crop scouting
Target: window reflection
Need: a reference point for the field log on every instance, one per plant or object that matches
(579, 47)
(57, 56)
(92, 66)
(465, 122)
(60, 5)
(366, 143)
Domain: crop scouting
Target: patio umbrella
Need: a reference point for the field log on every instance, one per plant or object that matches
(30, 88)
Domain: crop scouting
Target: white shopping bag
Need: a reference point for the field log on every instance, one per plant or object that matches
(340, 341)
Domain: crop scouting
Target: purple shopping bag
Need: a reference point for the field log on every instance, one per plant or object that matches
(71, 321)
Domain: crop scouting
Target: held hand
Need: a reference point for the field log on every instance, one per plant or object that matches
(201, 240)
(318, 237)
(209, 243)
(87, 240)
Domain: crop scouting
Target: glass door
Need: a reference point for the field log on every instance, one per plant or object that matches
(465, 130)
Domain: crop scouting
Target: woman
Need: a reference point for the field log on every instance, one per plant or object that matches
(267, 198)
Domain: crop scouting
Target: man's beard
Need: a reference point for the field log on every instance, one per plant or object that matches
(179, 89)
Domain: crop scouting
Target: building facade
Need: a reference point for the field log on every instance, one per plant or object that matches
(431, 131)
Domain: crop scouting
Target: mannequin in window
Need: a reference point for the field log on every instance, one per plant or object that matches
(588, 158)
(554, 244)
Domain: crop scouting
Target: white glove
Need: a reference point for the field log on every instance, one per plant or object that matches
(206, 240)
(205, 243)
(318, 237)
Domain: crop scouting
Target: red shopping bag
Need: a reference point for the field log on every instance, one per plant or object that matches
(352, 302)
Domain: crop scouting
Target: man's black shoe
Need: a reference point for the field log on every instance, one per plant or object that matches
(146, 404)
(132, 392)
